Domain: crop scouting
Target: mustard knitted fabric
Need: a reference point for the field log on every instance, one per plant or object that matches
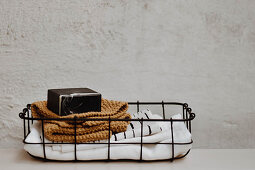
(86, 131)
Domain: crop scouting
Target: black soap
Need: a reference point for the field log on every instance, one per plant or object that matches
(73, 100)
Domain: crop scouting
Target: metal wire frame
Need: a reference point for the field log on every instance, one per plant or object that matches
(187, 117)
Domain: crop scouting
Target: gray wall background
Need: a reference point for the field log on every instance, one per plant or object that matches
(197, 51)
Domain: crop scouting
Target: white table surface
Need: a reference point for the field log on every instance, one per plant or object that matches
(206, 159)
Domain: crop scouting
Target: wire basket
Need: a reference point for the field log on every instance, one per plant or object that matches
(187, 117)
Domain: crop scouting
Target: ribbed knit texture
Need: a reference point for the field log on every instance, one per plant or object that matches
(86, 131)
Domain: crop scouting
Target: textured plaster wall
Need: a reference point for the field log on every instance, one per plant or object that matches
(196, 51)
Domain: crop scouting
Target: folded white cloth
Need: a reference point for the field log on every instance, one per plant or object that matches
(130, 151)
(134, 128)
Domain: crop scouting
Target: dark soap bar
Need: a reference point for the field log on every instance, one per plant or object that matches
(73, 100)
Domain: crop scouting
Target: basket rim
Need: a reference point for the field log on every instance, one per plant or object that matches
(192, 115)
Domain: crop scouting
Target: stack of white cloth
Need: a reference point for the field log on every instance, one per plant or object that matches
(152, 132)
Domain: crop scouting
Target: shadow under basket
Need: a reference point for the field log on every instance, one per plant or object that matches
(187, 117)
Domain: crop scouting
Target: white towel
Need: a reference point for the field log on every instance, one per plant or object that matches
(134, 128)
(130, 151)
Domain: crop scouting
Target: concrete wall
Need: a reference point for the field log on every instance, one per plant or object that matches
(201, 52)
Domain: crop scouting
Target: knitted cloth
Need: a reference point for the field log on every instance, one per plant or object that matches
(86, 131)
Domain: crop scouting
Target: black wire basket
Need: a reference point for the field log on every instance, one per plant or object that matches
(187, 117)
